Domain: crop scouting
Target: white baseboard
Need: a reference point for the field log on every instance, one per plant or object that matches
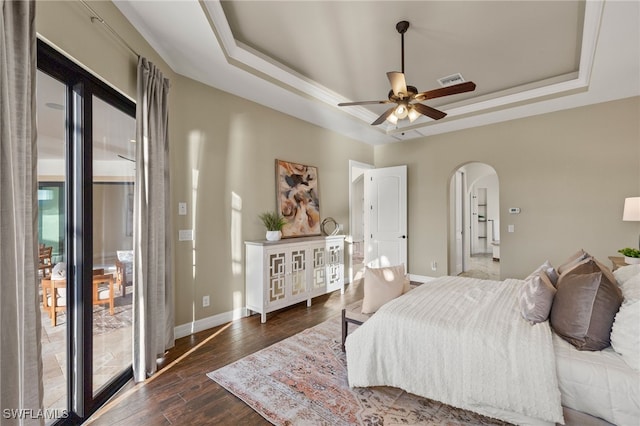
(225, 317)
(209, 322)
(420, 278)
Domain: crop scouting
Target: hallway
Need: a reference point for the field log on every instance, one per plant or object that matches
(482, 266)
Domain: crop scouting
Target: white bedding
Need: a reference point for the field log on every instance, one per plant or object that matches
(461, 341)
(598, 383)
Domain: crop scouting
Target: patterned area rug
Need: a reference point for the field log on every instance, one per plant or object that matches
(103, 321)
(303, 380)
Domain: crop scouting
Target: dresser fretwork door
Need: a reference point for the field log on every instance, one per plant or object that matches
(334, 266)
(319, 270)
(277, 277)
(298, 272)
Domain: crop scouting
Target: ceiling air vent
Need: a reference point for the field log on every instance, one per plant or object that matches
(451, 80)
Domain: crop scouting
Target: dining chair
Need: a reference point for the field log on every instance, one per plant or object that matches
(44, 263)
(54, 293)
(103, 290)
(54, 297)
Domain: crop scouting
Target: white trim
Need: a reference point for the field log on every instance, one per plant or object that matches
(209, 322)
(421, 278)
(361, 165)
(261, 64)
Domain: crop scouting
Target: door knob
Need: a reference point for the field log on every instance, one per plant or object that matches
(403, 237)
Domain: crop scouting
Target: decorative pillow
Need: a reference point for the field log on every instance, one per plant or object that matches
(548, 269)
(631, 289)
(625, 334)
(59, 272)
(406, 284)
(381, 285)
(575, 258)
(585, 306)
(625, 273)
(125, 255)
(587, 266)
(536, 298)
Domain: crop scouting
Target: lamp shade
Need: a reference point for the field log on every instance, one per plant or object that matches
(631, 209)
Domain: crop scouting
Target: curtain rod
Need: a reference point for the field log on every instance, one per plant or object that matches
(98, 18)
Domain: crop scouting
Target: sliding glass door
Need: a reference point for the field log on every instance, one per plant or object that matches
(113, 162)
(86, 173)
(51, 104)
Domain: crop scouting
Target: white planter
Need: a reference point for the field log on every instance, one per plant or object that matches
(274, 235)
(631, 260)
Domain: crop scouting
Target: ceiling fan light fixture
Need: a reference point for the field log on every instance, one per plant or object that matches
(413, 114)
(403, 95)
(401, 111)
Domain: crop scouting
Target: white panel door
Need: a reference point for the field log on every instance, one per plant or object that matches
(385, 200)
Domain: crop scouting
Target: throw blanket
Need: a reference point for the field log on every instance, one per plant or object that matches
(461, 341)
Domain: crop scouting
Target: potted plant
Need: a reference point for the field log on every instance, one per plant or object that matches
(274, 223)
(631, 255)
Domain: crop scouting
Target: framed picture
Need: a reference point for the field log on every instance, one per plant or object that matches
(297, 199)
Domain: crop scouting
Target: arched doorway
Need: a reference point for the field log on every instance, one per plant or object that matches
(474, 212)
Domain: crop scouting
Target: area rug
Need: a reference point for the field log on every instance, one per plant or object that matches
(302, 380)
(103, 321)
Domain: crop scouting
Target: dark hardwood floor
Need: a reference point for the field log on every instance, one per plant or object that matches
(181, 393)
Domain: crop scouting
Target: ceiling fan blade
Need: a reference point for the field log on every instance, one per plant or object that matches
(364, 103)
(467, 86)
(398, 84)
(429, 112)
(384, 116)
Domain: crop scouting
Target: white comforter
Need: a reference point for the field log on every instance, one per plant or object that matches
(461, 341)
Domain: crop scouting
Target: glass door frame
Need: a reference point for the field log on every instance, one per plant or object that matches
(81, 86)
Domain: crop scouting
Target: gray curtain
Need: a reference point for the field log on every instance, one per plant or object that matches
(153, 312)
(20, 350)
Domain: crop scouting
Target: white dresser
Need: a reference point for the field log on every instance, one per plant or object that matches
(282, 273)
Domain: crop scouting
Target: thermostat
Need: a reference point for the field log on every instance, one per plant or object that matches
(514, 210)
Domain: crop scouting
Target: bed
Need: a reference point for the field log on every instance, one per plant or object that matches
(464, 342)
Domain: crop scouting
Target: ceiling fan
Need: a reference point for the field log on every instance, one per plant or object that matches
(408, 98)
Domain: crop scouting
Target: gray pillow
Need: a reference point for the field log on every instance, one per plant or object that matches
(575, 258)
(536, 297)
(585, 306)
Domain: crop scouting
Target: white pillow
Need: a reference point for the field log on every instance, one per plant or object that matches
(382, 285)
(625, 273)
(625, 334)
(536, 297)
(125, 255)
(59, 272)
(631, 289)
(549, 270)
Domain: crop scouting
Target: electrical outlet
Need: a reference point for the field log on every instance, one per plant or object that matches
(205, 301)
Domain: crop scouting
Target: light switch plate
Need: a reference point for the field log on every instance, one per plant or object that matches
(182, 208)
(185, 235)
(511, 228)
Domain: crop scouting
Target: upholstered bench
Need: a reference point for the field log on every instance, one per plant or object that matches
(352, 314)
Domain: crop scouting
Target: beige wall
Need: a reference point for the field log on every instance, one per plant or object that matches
(223, 152)
(223, 165)
(68, 26)
(568, 171)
